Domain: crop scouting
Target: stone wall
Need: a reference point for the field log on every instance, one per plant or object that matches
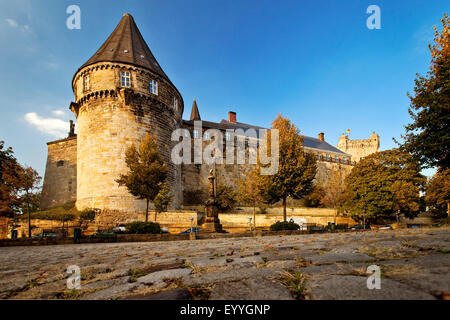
(4, 227)
(359, 148)
(60, 182)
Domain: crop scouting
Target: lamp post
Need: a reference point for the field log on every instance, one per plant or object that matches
(192, 220)
(250, 223)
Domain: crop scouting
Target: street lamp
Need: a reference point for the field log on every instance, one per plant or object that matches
(250, 223)
(192, 220)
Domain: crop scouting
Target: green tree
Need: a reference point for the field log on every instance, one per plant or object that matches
(297, 168)
(162, 199)
(225, 197)
(438, 193)
(334, 190)
(146, 171)
(10, 181)
(30, 183)
(382, 184)
(427, 138)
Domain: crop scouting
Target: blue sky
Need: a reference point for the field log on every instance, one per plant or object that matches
(315, 62)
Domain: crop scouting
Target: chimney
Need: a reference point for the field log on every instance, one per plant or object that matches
(321, 136)
(232, 117)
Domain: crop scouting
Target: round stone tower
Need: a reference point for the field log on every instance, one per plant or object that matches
(121, 93)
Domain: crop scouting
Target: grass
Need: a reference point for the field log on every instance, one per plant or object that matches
(442, 250)
(296, 283)
(135, 274)
(199, 293)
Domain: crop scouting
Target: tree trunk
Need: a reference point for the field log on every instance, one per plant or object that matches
(156, 212)
(254, 218)
(29, 220)
(335, 215)
(284, 210)
(146, 213)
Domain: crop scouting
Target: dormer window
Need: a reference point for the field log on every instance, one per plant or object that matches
(86, 83)
(154, 87)
(175, 103)
(125, 80)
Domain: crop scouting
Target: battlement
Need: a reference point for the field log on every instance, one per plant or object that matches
(359, 148)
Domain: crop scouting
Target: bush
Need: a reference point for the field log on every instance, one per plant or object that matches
(143, 228)
(279, 226)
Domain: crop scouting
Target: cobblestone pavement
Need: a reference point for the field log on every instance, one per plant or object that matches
(414, 264)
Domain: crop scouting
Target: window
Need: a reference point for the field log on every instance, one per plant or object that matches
(154, 87)
(206, 135)
(60, 163)
(227, 136)
(175, 103)
(125, 79)
(86, 82)
(328, 157)
(336, 158)
(319, 156)
(195, 133)
(343, 159)
(186, 132)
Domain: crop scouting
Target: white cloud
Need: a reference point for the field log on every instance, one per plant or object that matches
(12, 23)
(51, 126)
(58, 113)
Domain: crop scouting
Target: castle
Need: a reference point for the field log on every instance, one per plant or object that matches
(121, 93)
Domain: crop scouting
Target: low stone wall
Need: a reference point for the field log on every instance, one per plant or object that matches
(177, 221)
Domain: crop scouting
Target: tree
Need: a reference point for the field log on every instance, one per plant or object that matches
(30, 182)
(162, 199)
(146, 171)
(85, 216)
(314, 199)
(428, 137)
(225, 197)
(384, 183)
(297, 168)
(334, 190)
(10, 182)
(438, 193)
(249, 191)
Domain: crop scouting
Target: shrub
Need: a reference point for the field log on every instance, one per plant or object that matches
(226, 197)
(143, 228)
(279, 226)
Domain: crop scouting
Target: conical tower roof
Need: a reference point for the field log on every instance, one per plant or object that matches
(195, 114)
(127, 45)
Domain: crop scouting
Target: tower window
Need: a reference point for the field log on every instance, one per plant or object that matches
(86, 82)
(175, 103)
(125, 80)
(60, 163)
(154, 87)
(195, 133)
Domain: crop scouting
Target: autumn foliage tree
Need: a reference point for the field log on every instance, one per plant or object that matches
(297, 168)
(30, 182)
(10, 181)
(438, 193)
(427, 138)
(382, 184)
(147, 172)
(249, 191)
(334, 190)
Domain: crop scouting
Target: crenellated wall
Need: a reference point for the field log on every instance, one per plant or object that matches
(359, 148)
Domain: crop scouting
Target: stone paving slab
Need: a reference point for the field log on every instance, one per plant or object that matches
(255, 289)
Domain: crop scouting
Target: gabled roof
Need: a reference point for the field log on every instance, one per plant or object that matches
(127, 45)
(195, 114)
(315, 143)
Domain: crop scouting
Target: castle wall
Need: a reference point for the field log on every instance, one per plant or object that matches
(111, 120)
(60, 182)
